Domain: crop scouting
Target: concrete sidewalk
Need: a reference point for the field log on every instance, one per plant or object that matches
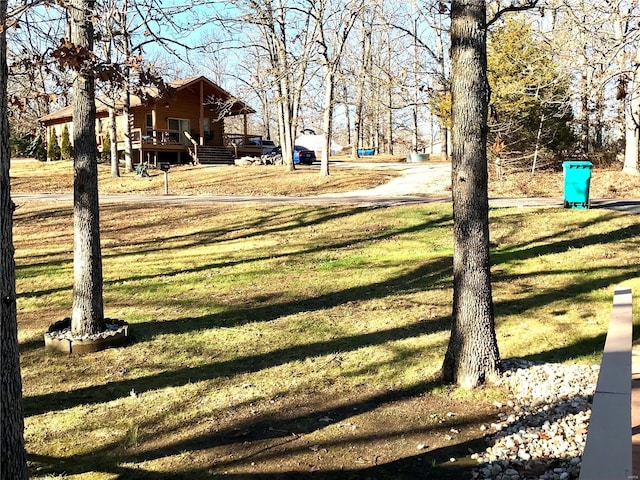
(635, 410)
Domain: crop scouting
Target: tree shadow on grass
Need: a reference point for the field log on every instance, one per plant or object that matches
(433, 274)
(278, 220)
(521, 252)
(423, 277)
(434, 465)
(573, 291)
(274, 439)
(39, 404)
(430, 275)
(277, 438)
(337, 245)
(423, 465)
(31, 345)
(586, 346)
(261, 224)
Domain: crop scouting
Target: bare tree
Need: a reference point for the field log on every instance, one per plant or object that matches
(127, 29)
(442, 82)
(257, 78)
(131, 27)
(334, 26)
(472, 355)
(428, 70)
(604, 35)
(287, 36)
(88, 311)
(112, 80)
(362, 72)
(35, 82)
(13, 462)
(632, 120)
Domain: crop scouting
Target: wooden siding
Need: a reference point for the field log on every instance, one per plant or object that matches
(186, 102)
(182, 105)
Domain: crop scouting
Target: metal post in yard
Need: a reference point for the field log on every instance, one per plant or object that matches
(165, 168)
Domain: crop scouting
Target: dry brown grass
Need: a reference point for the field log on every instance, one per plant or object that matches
(30, 176)
(282, 342)
(605, 182)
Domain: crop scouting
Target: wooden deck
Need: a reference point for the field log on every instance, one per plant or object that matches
(160, 141)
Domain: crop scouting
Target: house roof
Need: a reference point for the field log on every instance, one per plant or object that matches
(214, 96)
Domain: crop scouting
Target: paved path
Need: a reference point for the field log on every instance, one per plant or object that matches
(635, 410)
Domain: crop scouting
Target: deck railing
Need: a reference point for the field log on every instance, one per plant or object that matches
(167, 139)
(243, 144)
(159, 136)
(607, 453)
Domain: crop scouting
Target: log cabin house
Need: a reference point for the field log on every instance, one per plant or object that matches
(184, 124)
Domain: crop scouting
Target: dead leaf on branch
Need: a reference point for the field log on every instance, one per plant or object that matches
(136, 62)
(72, 56)
(109, 72)
(15, 102)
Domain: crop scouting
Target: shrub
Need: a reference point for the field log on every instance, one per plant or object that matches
(105, 156)
(66, 150)
(53, 150)
(37, 149)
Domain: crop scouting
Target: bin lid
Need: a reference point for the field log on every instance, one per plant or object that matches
(577, 164)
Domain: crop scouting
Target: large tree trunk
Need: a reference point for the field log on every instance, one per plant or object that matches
(13, 463)
(88, 316)
(472, 356)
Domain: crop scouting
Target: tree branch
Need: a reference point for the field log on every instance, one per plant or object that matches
(527, 5)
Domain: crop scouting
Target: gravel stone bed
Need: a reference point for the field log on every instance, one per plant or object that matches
(62, 330)
(542, 436)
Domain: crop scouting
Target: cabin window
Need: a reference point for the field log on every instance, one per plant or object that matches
(149, 124)
(206, 128)
(176, 127)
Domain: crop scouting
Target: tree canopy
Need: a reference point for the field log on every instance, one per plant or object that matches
(530, 98)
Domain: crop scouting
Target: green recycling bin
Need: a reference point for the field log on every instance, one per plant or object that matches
(577, 178)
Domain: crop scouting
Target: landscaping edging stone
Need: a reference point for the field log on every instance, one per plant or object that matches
(59, 339)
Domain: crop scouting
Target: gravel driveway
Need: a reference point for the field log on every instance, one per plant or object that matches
(417, 183)
(432, 179)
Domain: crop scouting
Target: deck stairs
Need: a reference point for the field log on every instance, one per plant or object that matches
(211, 155)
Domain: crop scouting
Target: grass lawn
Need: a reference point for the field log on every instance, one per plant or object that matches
(291, 342)
(31, 176)
(28, 176)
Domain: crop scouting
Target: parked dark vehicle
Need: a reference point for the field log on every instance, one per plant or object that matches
(301, 155)
(267, 145)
